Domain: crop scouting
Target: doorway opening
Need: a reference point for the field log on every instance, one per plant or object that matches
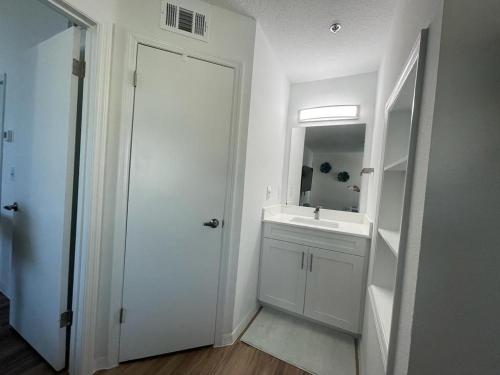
(41, 59)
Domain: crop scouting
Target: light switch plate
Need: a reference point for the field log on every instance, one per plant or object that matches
(269, 191)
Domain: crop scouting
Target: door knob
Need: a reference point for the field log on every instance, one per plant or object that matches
(214, 223)
(11, 207)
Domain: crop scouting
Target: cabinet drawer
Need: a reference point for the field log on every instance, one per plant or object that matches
(320, 239)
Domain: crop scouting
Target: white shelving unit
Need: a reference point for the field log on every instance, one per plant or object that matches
(397, 166)
(387, 243)
(391, 237)
(387, 265)
(382, 300)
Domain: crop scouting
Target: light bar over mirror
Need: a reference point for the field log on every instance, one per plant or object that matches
(329, 113)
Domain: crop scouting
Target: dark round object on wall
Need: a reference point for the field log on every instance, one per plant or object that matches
(325, 167)
(343, 176)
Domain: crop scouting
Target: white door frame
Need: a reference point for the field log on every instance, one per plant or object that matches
(123, 180)
(3, 90)
(98, 51)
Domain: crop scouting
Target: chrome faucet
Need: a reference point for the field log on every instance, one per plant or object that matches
(316, 212)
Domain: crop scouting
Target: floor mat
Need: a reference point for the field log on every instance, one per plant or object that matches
(309, 346)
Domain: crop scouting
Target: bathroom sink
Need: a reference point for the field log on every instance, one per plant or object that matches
(314, 222)
(296, 217)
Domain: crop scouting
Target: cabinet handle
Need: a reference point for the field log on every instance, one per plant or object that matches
(311, 264)
(302, 266)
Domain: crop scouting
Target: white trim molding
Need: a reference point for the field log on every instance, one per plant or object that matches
(230, 338)
(228, 253)
(75, 15)
(98, 52)
(416, 61)
(91, 197)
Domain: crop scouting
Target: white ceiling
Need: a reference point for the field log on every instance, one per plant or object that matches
(298, 31)
(336, 138)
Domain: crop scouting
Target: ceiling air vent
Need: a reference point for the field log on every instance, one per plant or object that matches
(185, 17)
(171, 15)
(186, 20)
(200, 24)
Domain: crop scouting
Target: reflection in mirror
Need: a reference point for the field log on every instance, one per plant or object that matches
(325, 166)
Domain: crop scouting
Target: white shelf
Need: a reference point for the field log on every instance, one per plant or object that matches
(391, 238)
(397, 166)
(382, 300)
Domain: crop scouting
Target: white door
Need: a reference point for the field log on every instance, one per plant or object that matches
(334, 288)
(178, 174)
(44, 100)
(283, 274)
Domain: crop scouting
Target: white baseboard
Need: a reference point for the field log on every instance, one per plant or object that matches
(227, 340)
(230, 338)
(102, 363)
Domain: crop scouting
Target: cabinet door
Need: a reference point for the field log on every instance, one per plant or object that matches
(283, 274)
(334, 286)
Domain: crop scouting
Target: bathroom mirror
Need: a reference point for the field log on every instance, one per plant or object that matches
(325, 166)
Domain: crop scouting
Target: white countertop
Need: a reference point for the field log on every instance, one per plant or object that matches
(349, 223)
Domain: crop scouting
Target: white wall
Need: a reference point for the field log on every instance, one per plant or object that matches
(409, 18)
(327, 191)
(358, 89)
(231, 38)
(457, 302)
(450, 303)
(23, 24)
(264, 167)
(104, 11)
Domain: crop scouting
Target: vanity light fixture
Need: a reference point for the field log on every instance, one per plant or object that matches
(329, 113)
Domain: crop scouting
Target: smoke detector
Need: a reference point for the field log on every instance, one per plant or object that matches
(335, 28)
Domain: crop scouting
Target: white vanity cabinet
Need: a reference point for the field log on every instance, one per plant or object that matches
(324, 284)
(334, 288)
(283, 274)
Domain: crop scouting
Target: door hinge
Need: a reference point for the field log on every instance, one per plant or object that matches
(79, 68)
(134, 79)
(66, 319)
(122, 315)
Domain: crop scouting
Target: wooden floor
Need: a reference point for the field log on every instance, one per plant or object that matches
(16, 356)
(238, 359)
